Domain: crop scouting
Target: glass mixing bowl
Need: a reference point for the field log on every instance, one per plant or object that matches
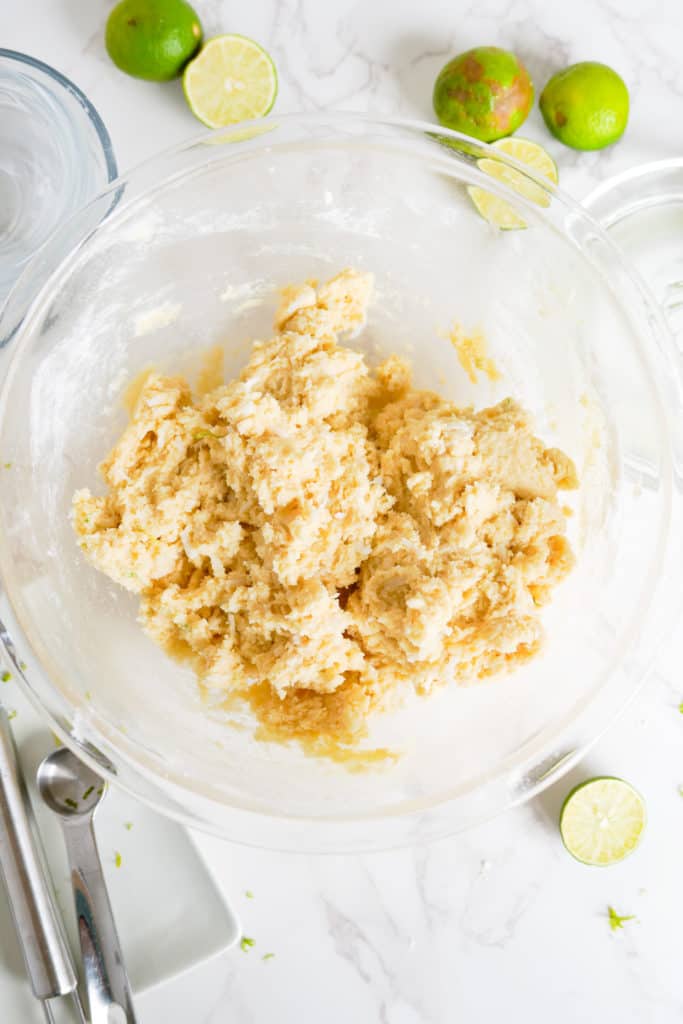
(187, 253)
(55, 156)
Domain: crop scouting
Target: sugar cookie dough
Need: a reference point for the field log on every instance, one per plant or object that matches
(318, 537)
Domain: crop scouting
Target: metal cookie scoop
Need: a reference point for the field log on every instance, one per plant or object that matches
(73, 791)
(38, 925)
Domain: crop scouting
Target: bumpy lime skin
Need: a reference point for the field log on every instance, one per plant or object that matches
(586, 106)
(486, 92)
(167, 34)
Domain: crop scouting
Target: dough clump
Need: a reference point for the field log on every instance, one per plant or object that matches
(318, 537)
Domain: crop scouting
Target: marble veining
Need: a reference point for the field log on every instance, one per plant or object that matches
(498, 923)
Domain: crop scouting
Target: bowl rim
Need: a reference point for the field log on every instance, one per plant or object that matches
(78, 94)
(544, 774)
(602, 202)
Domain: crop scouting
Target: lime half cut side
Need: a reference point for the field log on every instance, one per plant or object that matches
(602, 821)
(233, 79)
(496, 210)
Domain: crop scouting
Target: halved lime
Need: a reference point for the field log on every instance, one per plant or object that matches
(233, 79)
(496, 210)
(602, 820)
(529, 153)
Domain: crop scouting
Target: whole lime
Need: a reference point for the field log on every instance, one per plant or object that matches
(485, 92)
(586, 105)
(152, 39)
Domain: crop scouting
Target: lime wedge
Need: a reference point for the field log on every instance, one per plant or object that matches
(496, 210)
(233, 79)
(531, 154)
(602, 820)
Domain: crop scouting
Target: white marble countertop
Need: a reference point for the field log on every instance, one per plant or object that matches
(499, 923)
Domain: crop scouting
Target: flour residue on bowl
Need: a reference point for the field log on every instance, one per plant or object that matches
(154, 319)
(319, 538)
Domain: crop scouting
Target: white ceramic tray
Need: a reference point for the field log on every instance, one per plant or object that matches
(170, 914)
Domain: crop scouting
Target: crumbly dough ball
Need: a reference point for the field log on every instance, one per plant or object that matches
(318, 537)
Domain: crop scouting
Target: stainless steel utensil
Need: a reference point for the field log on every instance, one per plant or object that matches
(38, 926)
(73, 791)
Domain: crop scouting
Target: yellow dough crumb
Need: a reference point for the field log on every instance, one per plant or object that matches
(211, 371)
(318, 538)
(471, 351)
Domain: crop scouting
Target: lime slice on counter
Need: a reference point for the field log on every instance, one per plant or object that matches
(233, 79)
(530, 153)
(602, 820)
(496, 210)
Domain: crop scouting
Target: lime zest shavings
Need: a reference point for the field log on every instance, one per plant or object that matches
(616, 921)
(246, 943)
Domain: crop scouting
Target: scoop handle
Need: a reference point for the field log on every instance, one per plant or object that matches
(40, 932)
(110, 1000)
